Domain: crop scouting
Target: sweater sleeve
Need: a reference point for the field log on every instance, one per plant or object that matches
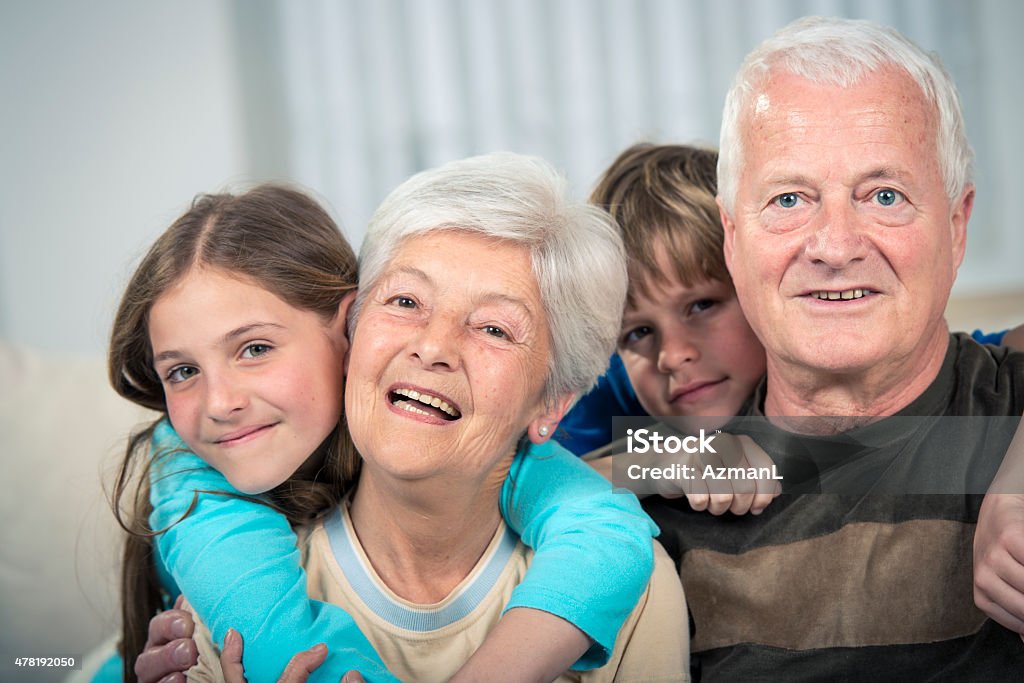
(592, 544)
(237, 563)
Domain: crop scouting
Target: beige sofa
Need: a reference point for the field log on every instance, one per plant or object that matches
(62, 432)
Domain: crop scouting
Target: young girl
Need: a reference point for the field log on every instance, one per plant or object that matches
(249, 293)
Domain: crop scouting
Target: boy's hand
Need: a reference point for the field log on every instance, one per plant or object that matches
(732, 494)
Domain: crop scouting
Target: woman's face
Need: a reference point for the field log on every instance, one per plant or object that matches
(449, 358)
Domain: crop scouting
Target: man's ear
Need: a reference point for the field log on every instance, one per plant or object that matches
(729, 230)
(544, 425)
(958, 225)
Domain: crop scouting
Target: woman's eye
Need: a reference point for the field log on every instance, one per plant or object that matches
(404, 301)
(495, 331)
(182, 373)
(255, 350)
(889, 197)
(787, 200)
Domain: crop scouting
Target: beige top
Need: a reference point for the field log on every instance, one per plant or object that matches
(426, 643)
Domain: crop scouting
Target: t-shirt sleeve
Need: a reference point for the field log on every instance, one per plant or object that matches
(592, 544)
(237, 563)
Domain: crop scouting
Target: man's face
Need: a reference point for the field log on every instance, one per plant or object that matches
(842, 243)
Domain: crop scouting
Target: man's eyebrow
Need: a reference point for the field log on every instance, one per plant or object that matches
(228, 337)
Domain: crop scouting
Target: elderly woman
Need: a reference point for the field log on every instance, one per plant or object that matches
(486, 303)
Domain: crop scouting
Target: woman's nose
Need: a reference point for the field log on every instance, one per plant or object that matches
(437, 344)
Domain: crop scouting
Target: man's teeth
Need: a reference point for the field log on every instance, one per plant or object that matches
(426, 400)
(846, 294)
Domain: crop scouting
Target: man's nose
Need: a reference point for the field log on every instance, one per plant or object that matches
(838, 240)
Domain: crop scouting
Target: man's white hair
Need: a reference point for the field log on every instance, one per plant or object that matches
(840, 52)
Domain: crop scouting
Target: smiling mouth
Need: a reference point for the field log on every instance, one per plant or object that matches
(423, 404)
(842, 295)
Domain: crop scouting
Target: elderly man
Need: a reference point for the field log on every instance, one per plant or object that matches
(845, 194)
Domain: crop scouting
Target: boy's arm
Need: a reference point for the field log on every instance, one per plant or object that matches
(593, 554)
(237, 563)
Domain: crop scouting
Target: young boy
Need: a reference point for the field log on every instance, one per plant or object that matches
(686, 349)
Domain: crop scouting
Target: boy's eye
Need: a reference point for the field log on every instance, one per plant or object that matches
(636, 334)
(702, 305)
(255, 350)
(182, 373)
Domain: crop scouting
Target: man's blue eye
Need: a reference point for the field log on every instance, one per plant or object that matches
(787, 201)
(887, 196)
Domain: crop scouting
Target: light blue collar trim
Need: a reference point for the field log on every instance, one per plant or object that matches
(403, 616)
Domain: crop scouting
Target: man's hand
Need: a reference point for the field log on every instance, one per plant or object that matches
(299, 667)
(999, 559)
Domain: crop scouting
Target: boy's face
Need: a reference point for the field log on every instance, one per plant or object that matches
(689, 350)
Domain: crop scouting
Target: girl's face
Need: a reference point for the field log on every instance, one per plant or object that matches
(689, 350)
(252, 384)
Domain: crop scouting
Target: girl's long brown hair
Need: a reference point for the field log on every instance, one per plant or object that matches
(281, 240)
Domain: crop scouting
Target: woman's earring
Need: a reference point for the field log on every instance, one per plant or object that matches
(543, 431)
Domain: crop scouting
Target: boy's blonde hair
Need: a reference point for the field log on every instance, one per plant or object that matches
(665, 194)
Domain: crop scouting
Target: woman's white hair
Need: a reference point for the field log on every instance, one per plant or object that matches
(575, 248)
(839, 52)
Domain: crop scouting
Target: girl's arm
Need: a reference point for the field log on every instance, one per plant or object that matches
(593, 552)
(236, 560)
(237, 563)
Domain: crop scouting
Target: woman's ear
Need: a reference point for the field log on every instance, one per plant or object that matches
(544, 425)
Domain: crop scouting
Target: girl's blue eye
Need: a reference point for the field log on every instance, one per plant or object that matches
(888, 196)
(182, 373)
(787, 200)
(255, 350)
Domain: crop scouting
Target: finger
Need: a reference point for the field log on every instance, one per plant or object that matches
(169, 625)
(698, 501)
(353, 677)
(180, 601)
(303, 664)
(231, 658)
(1000, 615)
(164, 661)
(720, 503)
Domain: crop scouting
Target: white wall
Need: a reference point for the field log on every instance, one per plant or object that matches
(115, 113)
